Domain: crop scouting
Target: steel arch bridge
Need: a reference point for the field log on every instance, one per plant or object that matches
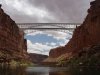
(48, 26)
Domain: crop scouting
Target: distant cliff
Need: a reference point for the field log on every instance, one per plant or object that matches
(37, 58)
(86, 35)
(13, 46)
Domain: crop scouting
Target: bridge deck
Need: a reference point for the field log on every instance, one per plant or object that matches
(48, 26)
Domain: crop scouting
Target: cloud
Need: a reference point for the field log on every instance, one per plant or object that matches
(33, 32)
(64, 42)
(44, 48)
(46, 10)
(58, 35)
(39, 47)
(24, 8)
(53, 44)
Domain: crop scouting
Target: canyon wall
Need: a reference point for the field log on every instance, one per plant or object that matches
(84, 36)
(89, 32)
(37, 58)
(13, 46)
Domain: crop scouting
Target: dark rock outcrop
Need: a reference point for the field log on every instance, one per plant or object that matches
(84, 36)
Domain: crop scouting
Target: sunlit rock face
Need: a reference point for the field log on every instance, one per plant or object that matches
(84, 36)
(13, 46)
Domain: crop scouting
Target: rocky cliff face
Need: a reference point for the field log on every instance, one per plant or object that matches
(89, 32)
(84, 36)
(54, 53)
(37, 58)
(13, 46)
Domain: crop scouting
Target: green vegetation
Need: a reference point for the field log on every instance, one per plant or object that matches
(14, 63)
(20, 63)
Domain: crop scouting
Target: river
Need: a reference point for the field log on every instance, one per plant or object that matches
(48, 71)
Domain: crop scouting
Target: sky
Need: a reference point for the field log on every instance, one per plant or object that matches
(46, 11)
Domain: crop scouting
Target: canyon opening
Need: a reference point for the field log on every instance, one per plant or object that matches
(49, 37)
